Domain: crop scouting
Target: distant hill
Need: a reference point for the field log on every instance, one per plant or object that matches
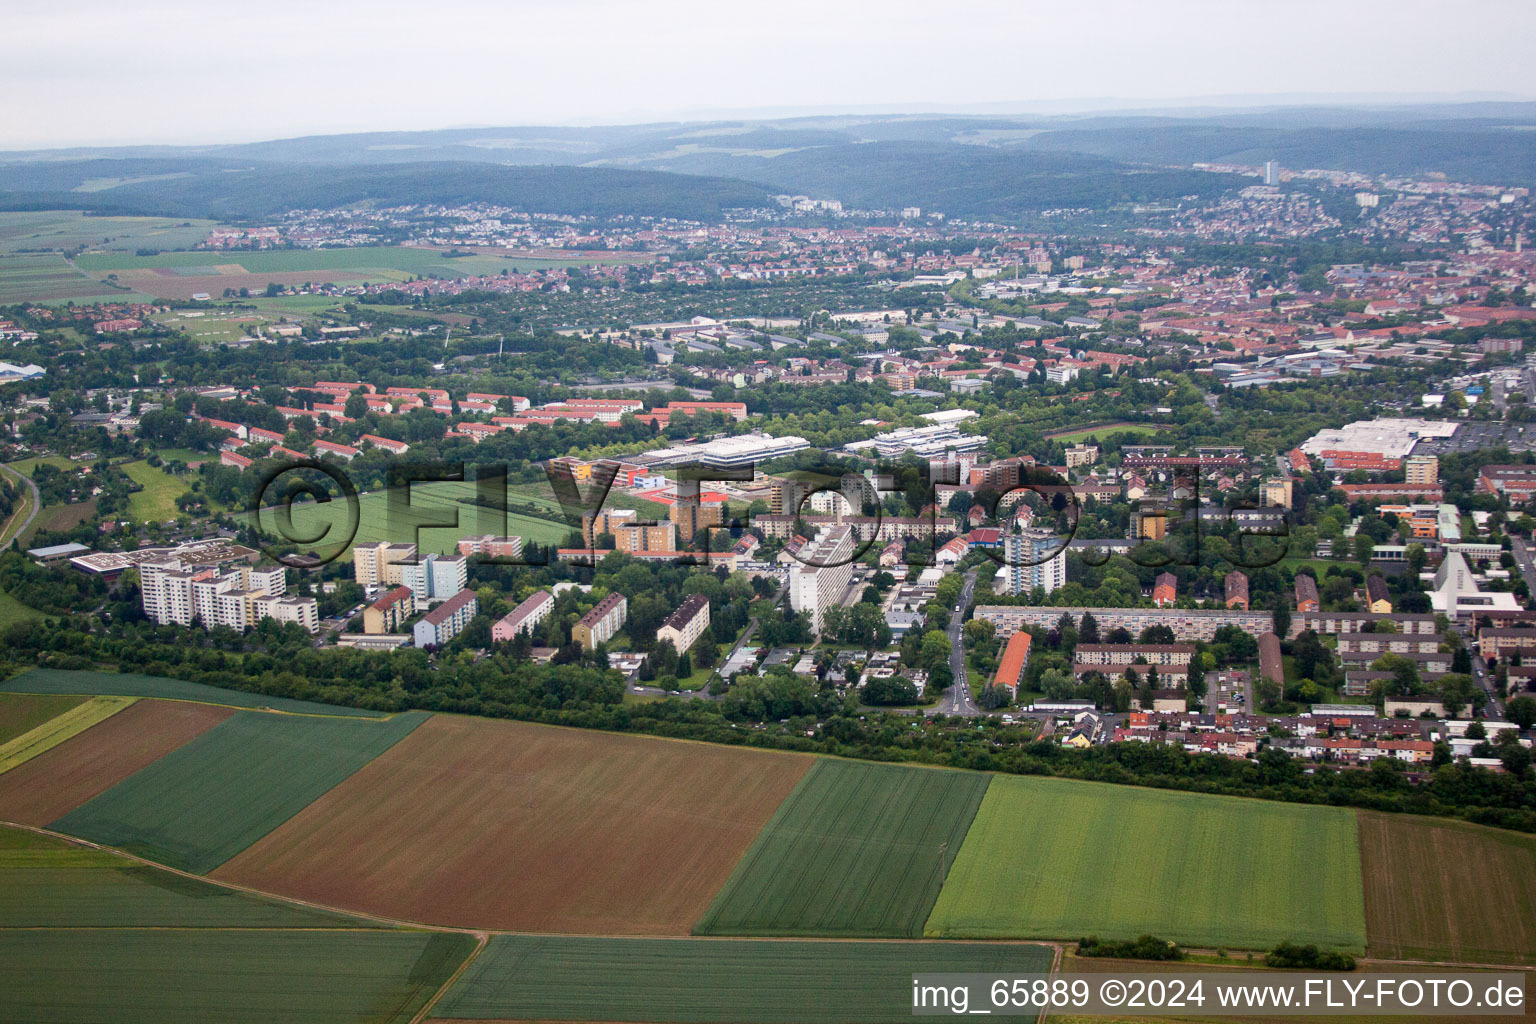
(228, 190)
(997, 167)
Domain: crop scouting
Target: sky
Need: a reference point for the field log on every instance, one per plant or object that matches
(92, 72)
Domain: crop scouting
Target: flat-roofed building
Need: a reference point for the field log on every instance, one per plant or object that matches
(819, 576)
(379, 565)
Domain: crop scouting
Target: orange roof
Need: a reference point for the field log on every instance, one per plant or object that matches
(1015, 655)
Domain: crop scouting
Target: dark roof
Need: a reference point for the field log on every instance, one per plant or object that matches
(686, 611)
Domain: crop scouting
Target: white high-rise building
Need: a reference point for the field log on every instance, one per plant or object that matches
(819, 577)
(1034, 558)
(435, 578)
(237, 597)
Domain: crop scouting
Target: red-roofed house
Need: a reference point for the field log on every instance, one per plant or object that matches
(344, 451)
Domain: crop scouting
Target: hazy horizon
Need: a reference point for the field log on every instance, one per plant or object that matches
(170, 74)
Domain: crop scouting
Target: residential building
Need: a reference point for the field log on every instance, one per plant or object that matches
(389, 612)
(684, 626)
(1165, 590)
(491, 546)
(447, 620)
(819, 576)
(600, 624)
(1236, 585)
(1306, 593)
(691, 515)
(379, 565)
(1377, 598)
(522, 619)
(1033, 558)
(172, 591)
(435, 578)
(1010, 670)
(1421, 469)
(1188, 624)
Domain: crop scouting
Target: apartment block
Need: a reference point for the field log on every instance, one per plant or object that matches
(447, 620)
(819, 576)
(238, 597)
(490, 546)
(1188, 624)
(600, 624)
(380, 565)
(389, 612)
(1034, 558)
(528, 614)
(435, 578)
(684, 626)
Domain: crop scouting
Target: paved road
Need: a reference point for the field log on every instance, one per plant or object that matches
(37, 504)
(957, 699)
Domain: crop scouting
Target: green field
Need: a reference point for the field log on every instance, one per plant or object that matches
(48, 883)
(47, 277)
(699, 981)
(1054, 858)
(439, 501)
(156, 503)
(131, 684)
(1124, 433)
(89, 936)
(233, 976)
(857, 850)
(23, 712)
(13, 611)
(70, 229)
(59, 728)
(201, 804)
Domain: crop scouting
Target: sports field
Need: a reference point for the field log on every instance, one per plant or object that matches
(52, 680)
(702, 981)
(58, 729)
(61, 779)
(1055, 858)
(203, 803)
(859, 849)
(23, 712)
(474, 822)
(1447, 890)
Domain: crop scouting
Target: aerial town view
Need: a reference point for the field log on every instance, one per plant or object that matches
(672, 514)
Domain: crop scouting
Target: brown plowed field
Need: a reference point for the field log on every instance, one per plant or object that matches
(1446, 890)
(481, 823)
(57, 781)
